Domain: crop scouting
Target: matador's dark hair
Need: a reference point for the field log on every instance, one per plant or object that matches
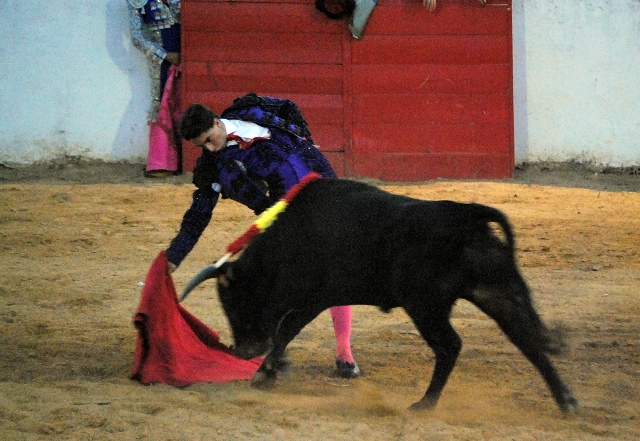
(196, 120)
(336, 9)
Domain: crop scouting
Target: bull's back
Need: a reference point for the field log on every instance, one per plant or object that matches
(330, 239)
(347, 237)
(343, 217)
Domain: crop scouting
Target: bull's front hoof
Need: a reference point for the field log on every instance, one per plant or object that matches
(263, 379)
(424, 404)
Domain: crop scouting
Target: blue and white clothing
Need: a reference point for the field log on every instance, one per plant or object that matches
(155, 30)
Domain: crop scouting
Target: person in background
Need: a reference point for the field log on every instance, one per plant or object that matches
(155, 30)
(253, 154)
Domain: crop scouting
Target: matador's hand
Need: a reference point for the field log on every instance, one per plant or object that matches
(173, 58)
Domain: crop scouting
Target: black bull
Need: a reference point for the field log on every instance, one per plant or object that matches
(342, 242)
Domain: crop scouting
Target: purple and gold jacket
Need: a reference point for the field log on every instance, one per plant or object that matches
(257, 177)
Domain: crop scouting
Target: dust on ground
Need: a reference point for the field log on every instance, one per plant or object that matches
(77, 237)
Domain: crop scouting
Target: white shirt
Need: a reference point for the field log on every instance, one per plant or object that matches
(247, 131)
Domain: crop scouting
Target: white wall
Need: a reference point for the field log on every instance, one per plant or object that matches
(577, 80)
(72, 84)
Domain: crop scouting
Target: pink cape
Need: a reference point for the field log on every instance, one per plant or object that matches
(173, 346)
(164, 140)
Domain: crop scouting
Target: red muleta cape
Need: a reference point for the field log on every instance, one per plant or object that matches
(173, 346)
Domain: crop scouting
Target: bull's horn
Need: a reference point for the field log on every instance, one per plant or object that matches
(208, 273)
(205, 274)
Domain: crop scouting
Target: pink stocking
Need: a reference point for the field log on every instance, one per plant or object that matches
(341, 316)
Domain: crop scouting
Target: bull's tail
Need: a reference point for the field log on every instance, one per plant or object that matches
(509, 302)
(486, 215)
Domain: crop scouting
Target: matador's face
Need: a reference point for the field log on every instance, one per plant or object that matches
(214, 139)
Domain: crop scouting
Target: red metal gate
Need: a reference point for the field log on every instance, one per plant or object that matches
(422, 95)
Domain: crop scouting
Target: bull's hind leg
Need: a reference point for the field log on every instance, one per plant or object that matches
(446, 345)
(509, 304)
(536, 354)
(561, 393)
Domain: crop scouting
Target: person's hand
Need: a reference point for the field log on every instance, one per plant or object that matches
(431, 4)
(173, 58)
(171, 268)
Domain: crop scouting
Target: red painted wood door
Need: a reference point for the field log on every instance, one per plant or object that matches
(422, 95)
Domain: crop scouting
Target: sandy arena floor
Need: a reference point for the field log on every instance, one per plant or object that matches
(76, 239)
